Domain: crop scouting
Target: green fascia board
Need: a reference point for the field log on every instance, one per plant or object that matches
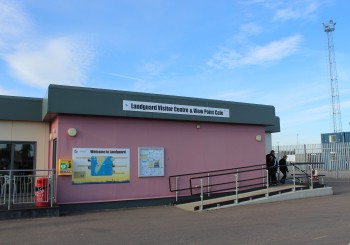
(15, 108)
(274, 128)
(102, 102)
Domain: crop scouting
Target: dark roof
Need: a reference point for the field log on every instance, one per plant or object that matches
(20, 108)
(102, 102)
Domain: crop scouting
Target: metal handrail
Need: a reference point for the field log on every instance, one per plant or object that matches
(235, 185)
(217, 173)
(18, 188)
(211, 175)
(213, 171)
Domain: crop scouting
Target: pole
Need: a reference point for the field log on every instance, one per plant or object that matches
(297, 139)
(201, 209)
(176, 186)
(267, 183)
(236, 201)
(293, 178)
(208, 184)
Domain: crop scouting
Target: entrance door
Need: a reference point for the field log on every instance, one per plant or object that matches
(5, 158)
(17, 161)
(54, 153)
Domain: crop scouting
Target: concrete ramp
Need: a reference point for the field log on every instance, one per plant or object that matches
(276, 193)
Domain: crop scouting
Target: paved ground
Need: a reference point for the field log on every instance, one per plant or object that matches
(321, 220)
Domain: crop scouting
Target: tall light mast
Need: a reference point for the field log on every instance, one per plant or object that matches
(337, 123)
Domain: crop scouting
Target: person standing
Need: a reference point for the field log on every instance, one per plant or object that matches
(283, 168)
(272, 166)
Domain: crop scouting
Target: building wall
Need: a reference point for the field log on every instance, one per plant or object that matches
(188, 149)
(28, 131)
(268, 142)
(335, 137)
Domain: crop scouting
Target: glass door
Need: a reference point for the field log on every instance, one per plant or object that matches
(17, 156)
(5, 165)
(17, 160)
(5, 158)
(23, 157)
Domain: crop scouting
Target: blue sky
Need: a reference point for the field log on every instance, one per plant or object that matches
(269, 52)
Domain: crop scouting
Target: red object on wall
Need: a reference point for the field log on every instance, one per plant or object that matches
(41, 192)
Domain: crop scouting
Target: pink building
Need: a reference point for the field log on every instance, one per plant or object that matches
(121, 147)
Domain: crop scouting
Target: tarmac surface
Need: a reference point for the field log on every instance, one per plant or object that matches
(319, 220)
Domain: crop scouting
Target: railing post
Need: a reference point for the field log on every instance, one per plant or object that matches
(237, 189)
(311, 177)
(267, 183)
(202, 196)
(52, 177)
(8, 182)
(176, 188)
(337, 159)
(293, 178)
(208, 184)
(263, 174)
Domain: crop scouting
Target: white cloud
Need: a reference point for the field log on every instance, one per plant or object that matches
(139, 84)
(60, 61)
(273, 51)
(235, 95)
(345, 104)
(251, 28)
(298, 10)
(157, 68)
(13, 24)
(316, 114)
(289, 10)
(247, 30)
(258, 55)
(144, 86)
(13, 21)
(124, 76)
(319, 110)
(153, 68)
(4, 91)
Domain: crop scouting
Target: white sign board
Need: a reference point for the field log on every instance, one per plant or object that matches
(291, 158)
(129, 105)
(151, 162)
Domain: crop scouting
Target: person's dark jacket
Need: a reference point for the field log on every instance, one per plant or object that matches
(271, 165)
(283, 165)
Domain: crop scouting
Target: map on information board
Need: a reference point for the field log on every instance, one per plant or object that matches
(100, 165)
(151, 162)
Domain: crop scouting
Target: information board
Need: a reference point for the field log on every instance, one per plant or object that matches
(151, 161)
(100, 165)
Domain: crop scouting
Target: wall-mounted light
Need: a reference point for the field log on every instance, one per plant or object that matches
(50, 136)
(72, 132)
(258, 138)
(198, 126)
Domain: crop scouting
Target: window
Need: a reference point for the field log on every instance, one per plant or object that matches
(17, 155)
(5, 156)
(333, 156)
(332, 138)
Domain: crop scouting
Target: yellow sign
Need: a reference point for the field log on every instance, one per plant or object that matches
(101, 165)
(64, 167)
